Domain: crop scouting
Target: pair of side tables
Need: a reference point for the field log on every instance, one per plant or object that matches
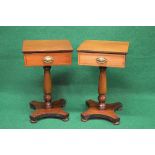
(98, 53)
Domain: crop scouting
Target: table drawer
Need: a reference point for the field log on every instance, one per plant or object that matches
(47, 59)
(97, 59)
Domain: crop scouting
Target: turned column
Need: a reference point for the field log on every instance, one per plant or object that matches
(102, 88)
(47, 87)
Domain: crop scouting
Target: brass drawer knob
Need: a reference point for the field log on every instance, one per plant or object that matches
(101, 60)
(48, 59)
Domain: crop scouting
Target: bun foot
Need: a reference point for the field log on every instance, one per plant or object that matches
(33, 120)
(116, 123)
(66, 119)
(84, 120)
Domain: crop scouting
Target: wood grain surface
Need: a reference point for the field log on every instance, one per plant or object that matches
(30, 46)
(113, 60)
(36, 59)
(104, 46)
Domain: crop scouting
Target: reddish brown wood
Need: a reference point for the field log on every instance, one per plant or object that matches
(100, 109)
(104, 46)
(102, 53)
(44, 46)
(108, 113)
(47, 53)
(102, 88)
(114, 52)
(48, 109)
(35, 52)
(112, 60)
(36, 59)
(47, 87)
(42, 112)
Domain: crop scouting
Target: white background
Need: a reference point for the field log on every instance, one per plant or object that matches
(77, 142)
(77, 13)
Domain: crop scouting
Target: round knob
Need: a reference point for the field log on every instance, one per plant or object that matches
(48, 59)
(101, 60)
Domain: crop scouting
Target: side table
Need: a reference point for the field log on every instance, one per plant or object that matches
(47, 53)
(102, 54)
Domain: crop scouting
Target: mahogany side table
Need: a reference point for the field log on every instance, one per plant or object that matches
(102, 54)
(47, 53)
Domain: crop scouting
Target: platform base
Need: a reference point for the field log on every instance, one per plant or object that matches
(41, 112)
(108, 113)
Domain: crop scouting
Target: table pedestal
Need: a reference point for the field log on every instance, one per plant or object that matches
(100, 109)
(48, 109)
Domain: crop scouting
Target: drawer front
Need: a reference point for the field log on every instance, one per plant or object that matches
(97, 59)
(47, 59)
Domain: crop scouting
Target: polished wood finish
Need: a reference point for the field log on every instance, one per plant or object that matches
(41, 112)
(36, 50)
(102, 88)
(90, 59)
(47, 87)
(114, 52)
(108, 113)
(100, 109)
(48, 109)
(102, 54)
(104, 46)
(47, 53)
(31, 46)
(36, 59)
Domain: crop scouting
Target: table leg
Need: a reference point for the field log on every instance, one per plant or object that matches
(101, 110)
(48, 109)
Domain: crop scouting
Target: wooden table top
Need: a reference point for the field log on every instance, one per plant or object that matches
(104, 46)
(46, 46)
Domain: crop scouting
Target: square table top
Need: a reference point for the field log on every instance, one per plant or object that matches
(30, 46)
(104, 46)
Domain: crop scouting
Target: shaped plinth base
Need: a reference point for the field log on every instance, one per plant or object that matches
(41, 111)
(108, 113)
